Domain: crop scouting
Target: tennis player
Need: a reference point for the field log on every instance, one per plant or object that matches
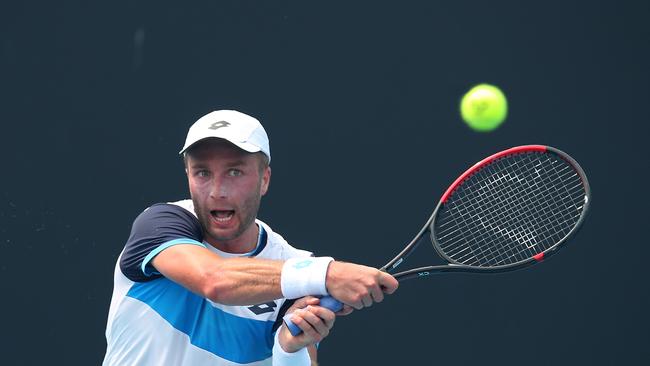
(203, 282)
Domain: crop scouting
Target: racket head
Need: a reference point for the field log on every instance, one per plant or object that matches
(510, 210)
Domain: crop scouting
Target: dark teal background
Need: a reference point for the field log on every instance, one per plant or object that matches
(360, 100)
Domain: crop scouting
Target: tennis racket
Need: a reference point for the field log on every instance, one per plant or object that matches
(510, 210)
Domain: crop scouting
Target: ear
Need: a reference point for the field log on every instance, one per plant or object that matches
(266, 180)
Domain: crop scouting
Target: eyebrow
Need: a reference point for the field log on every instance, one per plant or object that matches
(197, 165)
(237, 163)
(202, 165)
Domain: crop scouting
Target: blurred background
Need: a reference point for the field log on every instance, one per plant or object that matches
(360, 100)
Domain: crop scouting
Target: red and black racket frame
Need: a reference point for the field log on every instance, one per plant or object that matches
(454, 266)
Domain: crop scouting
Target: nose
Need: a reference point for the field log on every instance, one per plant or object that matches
(220, 188)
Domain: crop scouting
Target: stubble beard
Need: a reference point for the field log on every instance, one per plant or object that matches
(249, 209)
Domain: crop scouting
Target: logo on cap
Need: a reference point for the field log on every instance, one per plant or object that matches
(218, 125)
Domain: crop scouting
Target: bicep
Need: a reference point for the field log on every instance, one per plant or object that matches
(193, 267)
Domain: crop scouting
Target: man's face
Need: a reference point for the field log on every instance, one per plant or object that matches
(226, 186)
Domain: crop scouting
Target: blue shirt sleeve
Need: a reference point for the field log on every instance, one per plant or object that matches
(155, 229)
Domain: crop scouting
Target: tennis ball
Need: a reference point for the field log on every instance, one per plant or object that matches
(484, 107)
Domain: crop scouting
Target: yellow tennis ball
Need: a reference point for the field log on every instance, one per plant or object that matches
(484, 107)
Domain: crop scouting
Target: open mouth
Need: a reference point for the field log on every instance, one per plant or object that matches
(222, 215)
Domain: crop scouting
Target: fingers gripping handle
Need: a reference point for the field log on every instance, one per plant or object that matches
(326, 302)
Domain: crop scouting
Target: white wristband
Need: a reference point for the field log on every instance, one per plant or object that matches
(284, 358)
(304, 276)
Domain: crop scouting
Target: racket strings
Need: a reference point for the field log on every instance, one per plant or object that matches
(489, 253)
(510, 210)
(525, 236)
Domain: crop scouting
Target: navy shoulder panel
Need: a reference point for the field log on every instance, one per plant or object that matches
(155, 226)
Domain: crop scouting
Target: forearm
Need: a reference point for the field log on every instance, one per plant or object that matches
(244, 281)
(313, 354)
(232, 281)
(281, 357)
(241, 278)
(241, 281)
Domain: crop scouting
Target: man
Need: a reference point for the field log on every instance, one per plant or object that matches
(203, 282)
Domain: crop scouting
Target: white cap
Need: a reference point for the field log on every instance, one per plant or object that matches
(242, 130)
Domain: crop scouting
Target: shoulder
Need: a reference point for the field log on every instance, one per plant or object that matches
(278, 248)
(175, 219)
(169, 212)
(187, 206)
(156, 228)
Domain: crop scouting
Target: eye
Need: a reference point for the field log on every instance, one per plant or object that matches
(202, 173)
(234, 173)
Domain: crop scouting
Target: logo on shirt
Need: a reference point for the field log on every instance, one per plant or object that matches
(303, 264)
(218, 125)
(267, 307)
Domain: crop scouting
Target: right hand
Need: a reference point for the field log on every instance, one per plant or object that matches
(358, 286)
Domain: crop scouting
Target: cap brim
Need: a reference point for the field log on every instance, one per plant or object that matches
(248, 147)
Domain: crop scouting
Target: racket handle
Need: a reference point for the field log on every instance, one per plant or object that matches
(327, 302)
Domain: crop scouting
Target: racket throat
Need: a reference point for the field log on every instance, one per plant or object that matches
(408, 250)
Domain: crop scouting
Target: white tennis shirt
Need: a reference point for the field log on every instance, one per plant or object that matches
(154, 321)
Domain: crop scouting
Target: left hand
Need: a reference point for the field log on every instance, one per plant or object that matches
(315, 322)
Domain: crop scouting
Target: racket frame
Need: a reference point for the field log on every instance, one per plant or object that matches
(454, 266)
